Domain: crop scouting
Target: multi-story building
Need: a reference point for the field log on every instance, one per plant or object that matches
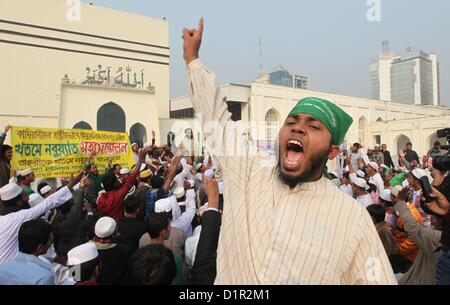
(412, 78)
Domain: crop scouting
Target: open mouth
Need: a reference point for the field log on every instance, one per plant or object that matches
(294, 155)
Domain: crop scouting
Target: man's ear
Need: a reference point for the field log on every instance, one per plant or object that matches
(41, 249)
(334, 151)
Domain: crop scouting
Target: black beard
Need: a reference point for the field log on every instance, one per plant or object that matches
(317, 165)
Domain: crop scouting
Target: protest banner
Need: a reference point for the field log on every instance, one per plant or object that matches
(57, 153)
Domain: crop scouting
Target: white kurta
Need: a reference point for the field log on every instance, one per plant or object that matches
(271, 234)
(10, 224)
(378, 182)
(347, 189)
(365, 200)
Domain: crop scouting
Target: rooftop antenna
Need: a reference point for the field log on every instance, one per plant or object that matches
(260, 65)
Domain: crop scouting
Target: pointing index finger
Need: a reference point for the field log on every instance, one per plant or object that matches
(200, 26)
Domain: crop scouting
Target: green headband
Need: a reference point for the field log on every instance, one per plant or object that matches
(398, 179)
(336, 120)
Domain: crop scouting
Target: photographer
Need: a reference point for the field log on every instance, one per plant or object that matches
(441, 181)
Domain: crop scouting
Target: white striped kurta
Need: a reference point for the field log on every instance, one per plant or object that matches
(271, 234)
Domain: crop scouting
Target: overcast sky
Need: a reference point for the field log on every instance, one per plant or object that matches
(330, 41)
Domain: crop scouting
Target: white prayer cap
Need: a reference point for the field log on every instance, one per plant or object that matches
(377, 145)
(124, 171)
(163, 205)
(134, 144)
(360, 174)
(35, 199)
(418, 173)
(220, 184)
(147, 145)
(405, 183)
(25, 172)
(371, 148)
(82, 254)
(199, 177)
(179, 192)
(395, 190)
(209, 173)
(386, 195)
(384, 166)
(143, 166)
(361, 183)
(191, 182)
(10, 191)
(374, 165)
(45, 189)
(105, 227)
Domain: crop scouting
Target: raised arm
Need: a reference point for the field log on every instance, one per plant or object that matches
(220, 132)
(204, 270)
(402, 159)
(53, 201)
(76, 211)
(425, 238)
(184, 221)
(352, 175)
(172, 172)
(153, 137)
(131, 179)
(3, 135)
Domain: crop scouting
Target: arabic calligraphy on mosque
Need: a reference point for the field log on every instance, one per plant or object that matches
(123, 78)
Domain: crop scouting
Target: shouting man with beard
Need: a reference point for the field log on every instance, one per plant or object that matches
(285, 223)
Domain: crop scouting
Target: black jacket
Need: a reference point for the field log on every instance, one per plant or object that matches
(131, 231)
(73, 228)
(204, 270)
(388, 159)
(411, 155)
(113, 262)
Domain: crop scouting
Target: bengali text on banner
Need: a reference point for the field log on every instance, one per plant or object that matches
(55, 153)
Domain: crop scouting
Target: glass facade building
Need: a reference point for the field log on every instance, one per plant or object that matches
(282, 77)
(412, 78)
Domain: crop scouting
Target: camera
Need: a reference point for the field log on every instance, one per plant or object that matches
(444, 133)
(442, 163)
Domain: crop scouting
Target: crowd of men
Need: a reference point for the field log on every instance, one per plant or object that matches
(124, 226)
(291, 223)
(414, 234)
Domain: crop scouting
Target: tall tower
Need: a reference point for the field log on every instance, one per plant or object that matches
(380, 74)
